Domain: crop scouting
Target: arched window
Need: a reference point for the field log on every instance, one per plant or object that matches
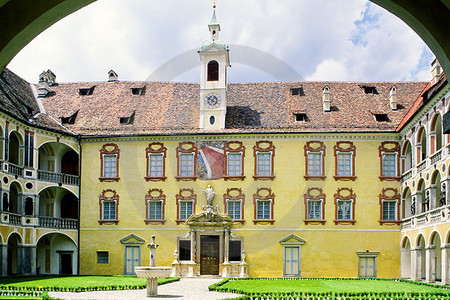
(213, 71)
(28, 206)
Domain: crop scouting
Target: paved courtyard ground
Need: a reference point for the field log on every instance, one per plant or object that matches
(186, 288)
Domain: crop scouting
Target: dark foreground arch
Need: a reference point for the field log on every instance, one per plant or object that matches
(22, 20)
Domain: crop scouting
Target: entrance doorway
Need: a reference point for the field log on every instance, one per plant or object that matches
(292, 261)
(132, 259)
(209, 255)
(65, 263)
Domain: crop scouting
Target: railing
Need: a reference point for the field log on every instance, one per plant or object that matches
(422, 166)
(437, 215)
(15, 219)
(15, 169)
(59, 223)
(436, 156)
(407, 175)
(58, 177)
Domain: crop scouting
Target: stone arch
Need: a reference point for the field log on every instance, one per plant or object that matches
(435, 196)
(407, 157)
(406, 202)
(14, 257)
(15, 141)
(421, 144)
(420, 256)
(213, 70)
(447, 238)
(56, 254)
(58, 157)
(436, 140)
(405, 258)
(435, 246)
(15, 198)
(58, 202)
(421, 204)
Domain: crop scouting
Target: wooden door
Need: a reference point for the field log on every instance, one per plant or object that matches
(209, 255)
(132, 259)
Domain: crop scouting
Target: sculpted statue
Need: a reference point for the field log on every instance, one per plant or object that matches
(209, 195)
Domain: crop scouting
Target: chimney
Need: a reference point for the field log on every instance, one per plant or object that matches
(112, 76)
(393, 98)
(436, 71)
(326, 101)
(46, 79)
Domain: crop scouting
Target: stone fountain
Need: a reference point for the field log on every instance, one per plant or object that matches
(152, 273)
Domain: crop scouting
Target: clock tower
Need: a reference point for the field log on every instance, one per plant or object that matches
(214, 58)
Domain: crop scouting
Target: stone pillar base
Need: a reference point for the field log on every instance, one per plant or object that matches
(152, 287)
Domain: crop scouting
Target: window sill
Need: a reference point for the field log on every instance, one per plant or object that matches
(314, 221)
(147, 178)
(233, 178)
(183, 178)
(109, 179)
(154, 221)
(389, 222)
(101, 222)
(239, 221)
(345, 222)
(268, 221)
(344, 178)
(180, 222)
(257, 177)
(390, 178)
(311, 177)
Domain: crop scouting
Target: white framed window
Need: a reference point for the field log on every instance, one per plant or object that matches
(234, 209)
(263, 210)
(109, 165)
(263, 164)
(314, 210)
(109, 210)
(344, 210)
(314, 164)
(389, 211)
(155, 210)
(156, 165)
(344, 164)
(234, 164)
(186, 164)
(102, 257)
(389, 165)
(186, 209)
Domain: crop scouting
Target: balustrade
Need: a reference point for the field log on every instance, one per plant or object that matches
(58, 177)
(433, 216)
(59, 223)
(15, 169)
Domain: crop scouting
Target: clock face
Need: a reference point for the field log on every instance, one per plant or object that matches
(212, 100)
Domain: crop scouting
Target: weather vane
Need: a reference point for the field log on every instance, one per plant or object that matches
(214, 4)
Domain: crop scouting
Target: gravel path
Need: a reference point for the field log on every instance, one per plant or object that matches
(186, 288)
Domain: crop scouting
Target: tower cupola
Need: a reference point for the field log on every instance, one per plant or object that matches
(214, 26)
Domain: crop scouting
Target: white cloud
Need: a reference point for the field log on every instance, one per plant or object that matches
(322, 39)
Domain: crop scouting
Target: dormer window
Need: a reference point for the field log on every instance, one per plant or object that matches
(69, 120)
(301, 117)
(86, 91)
(297, 91)
(213, 71)
(128, 120)
(381, 117)
(369, 89)
(139, 91)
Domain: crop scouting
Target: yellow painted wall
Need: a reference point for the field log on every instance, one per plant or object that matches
(330, 249)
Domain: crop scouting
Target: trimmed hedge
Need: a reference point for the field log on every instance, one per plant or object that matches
(444, 295)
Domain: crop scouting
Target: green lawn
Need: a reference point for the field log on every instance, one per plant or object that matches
(318, 285)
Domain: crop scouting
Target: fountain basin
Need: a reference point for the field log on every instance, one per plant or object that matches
(153, 272)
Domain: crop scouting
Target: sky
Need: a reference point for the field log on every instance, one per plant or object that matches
(319, 40)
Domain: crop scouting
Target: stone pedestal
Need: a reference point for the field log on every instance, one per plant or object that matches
(152, 287)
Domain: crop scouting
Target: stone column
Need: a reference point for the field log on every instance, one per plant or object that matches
(430, 257)
(445, 257)
(416, 259)
(4, 260)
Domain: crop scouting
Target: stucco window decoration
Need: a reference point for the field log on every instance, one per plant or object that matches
(389, 153)
(234, 161)
(186, 200)
(156, 162)
(264, 153)
(186, 161)
(315, 201)
(344, 153)
(109, 207)
(155, 201)
(233, 202)
(263, 201)
(314, 152)
(344, 201)
(389, 200)
(109, 156)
